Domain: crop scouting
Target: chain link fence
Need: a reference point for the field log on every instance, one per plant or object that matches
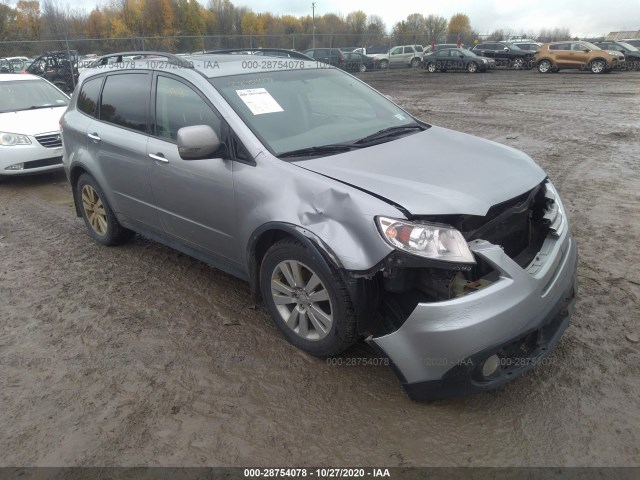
(191, 44)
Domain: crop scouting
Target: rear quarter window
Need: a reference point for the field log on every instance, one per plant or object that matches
(90, 96)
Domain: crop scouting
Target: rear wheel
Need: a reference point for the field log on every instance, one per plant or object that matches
(102, 224)
(383, 64)
(414, 63)
(307, 299)
(544, 66)
(472, 67)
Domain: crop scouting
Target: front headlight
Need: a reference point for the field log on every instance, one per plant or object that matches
(429, 240)
(10, 139)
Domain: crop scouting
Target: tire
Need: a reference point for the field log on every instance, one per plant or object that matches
(102, 224)
(414, 63)
(383, 64)
(545, 66)
(472, 67)
(362, 68)
(292, 275)
(432, 67)
(518, 64)
(598, 66)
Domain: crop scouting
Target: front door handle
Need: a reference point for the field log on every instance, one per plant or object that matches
(93, 136)
(158, 158)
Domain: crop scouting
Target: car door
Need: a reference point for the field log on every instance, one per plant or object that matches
(396, 56)
(195, 198)
(563, 54)
(118, 143)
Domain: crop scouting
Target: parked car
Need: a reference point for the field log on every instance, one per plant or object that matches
(505, 54)
(373, 50)
(400, 56)
(5, 66)
(576, 55)
(30, 109)
(358, 62)
(349, 217)
(330, 56)
(529, 46)
(457, 59)
(631, 53)
(59, 67)
(633, 41)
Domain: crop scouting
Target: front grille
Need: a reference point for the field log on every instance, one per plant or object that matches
(45, 162)
(50, 140)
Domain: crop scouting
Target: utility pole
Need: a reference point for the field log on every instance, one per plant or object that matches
(313, 23)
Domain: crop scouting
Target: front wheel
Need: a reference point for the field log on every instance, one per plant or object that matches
(307, 299)
(362, 67)
(432, 67)
(598, 66)
(518, 64)
(472, 67)
(102, 224)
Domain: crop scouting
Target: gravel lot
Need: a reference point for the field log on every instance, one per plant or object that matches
(139, 355)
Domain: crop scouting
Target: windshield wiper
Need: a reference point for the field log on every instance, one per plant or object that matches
(323, 149)
(36, 107)
(389, 132)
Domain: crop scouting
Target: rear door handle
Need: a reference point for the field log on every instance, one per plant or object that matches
(93, 136)
(158, 158)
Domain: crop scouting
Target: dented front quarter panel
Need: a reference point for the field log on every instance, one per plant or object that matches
(274, 191)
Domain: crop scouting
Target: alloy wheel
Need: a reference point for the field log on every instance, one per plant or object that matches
(302, 300)
(94, 210)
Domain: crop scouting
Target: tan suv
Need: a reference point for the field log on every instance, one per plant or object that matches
(581, 55)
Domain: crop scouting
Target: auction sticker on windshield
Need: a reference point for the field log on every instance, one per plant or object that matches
(259, 101)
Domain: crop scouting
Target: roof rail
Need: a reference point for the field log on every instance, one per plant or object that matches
(171, 58)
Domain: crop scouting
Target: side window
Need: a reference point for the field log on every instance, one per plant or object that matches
(89, 97)
(578, 47)
(396, 51)
(177, 106)
(408, 49)
(125, 100)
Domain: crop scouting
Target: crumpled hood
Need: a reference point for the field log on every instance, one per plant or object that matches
(32, 122)
(435, 172)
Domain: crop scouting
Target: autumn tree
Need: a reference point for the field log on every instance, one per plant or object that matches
(376, 30)
(356, 23)
(28, 18)
(7, 20)
(459, 25)
(416, 26)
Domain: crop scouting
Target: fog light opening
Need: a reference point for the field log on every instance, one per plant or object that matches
(490, 366)
(17, 166)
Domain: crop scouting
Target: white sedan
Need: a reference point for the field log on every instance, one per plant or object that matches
(30, 111)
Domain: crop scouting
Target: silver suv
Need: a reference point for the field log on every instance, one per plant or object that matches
(349, 218)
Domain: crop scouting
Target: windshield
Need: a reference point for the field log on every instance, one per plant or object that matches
(628, 46)
(591, 46)
(374, 50)
(513, 46)
(30, 94)
(301, 109)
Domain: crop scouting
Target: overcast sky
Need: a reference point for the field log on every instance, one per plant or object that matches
(582, 17)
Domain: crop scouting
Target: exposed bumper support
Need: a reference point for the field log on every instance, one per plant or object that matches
(440, 349)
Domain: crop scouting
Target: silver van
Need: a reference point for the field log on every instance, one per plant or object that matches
(349, 218)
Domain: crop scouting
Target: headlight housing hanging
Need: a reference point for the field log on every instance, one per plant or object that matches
(428, 240)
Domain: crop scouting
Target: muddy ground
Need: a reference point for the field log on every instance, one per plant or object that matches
(139, 355)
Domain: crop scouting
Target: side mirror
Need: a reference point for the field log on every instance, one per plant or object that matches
(586, 50)
(197, 142)
(506, 49)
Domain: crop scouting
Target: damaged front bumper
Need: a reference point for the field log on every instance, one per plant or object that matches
(441, 349)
